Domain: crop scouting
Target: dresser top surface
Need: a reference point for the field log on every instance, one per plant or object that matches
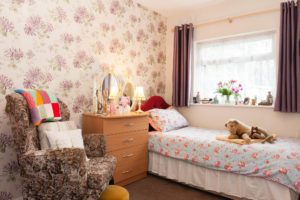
(110, 116)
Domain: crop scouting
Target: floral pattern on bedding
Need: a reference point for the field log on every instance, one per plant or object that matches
(279, 162)
(166, 119)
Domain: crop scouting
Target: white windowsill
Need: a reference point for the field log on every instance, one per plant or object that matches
(232, 106)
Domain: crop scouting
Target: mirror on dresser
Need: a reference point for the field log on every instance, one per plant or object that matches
(106, 90)
(110, 86)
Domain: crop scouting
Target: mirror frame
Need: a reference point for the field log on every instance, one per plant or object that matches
(100, 85)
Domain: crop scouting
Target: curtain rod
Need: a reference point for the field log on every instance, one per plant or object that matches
(230, 19)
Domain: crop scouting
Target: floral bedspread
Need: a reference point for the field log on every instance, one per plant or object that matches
(279, 162)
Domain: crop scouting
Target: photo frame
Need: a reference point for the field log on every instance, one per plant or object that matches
(246, 101)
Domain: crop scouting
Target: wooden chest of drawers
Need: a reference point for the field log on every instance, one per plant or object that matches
(126, 138)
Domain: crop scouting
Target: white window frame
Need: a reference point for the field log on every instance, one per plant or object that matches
(275, 52)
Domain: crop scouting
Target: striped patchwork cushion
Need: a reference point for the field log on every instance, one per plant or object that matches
(43, 105)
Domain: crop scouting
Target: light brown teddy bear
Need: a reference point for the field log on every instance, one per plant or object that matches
(240, 130)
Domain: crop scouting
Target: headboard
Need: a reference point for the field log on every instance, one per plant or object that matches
(155, 102)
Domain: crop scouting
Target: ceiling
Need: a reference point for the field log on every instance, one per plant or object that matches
(174, 7)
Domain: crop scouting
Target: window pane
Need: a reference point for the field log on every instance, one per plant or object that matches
(250, 60)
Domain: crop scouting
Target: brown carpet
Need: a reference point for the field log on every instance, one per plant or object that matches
(157, 188)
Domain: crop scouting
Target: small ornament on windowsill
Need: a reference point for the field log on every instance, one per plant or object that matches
(246, 101)
(194, 100)
(270, 98)
(198, 98)
(205, 101)
(216, 100)
(253, 101)
(264, 103)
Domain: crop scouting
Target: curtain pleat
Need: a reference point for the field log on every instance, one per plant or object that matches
(183, 44)
(288, 86)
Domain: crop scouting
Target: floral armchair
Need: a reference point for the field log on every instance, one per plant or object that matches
(61, 173)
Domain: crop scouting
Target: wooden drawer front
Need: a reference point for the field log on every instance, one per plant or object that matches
(133, 153)
(125, 140)
(130, 169)
(121, 125)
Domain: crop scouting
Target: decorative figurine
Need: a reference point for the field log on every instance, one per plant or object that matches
(268, 101)
(118, 110)
(198, 97)
(216, 100)
(112, 108)
(253, 102)
(270, 98)
(125, 102)
(194, 100)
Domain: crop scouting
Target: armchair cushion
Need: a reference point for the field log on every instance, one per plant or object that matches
(94, 144)
(65, 139)
(100, 171)
(53, 126)
(54, 174)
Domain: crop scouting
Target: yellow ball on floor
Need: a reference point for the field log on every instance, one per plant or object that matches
(114, 192)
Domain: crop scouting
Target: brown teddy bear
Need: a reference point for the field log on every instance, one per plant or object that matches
(240, 130)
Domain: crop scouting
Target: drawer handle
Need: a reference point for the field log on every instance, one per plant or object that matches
(127, 171)
(129, 155)
(128, 140)
(129, 124)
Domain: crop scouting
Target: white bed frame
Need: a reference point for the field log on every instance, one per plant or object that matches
(227, 184)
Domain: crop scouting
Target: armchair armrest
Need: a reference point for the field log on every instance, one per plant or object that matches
(54, 174)
(94, 144)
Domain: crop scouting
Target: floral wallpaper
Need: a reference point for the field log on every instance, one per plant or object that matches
(62, 45)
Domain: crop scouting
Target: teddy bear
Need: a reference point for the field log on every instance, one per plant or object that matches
(240, 130)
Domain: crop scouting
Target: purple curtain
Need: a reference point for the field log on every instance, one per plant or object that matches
(288, 87)
(183, 44)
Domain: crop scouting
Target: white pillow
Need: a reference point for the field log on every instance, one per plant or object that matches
(65, 139)
(166, 119)
(53, 126)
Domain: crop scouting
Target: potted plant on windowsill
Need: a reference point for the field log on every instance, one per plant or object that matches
(228, 89)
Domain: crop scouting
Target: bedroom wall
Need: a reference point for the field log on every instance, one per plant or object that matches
(63, 45)
(215, 116)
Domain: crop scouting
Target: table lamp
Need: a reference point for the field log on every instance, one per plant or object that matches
(113, 93)
(139, 96)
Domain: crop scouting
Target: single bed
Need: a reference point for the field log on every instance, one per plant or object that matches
(194, 157)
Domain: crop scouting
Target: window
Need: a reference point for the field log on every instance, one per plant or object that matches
(248, 59)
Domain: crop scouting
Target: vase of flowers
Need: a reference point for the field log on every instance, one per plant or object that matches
(228, 89)
(227, 99)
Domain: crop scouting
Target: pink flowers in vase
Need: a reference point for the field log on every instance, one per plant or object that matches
(237, 90)
(230, 88)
